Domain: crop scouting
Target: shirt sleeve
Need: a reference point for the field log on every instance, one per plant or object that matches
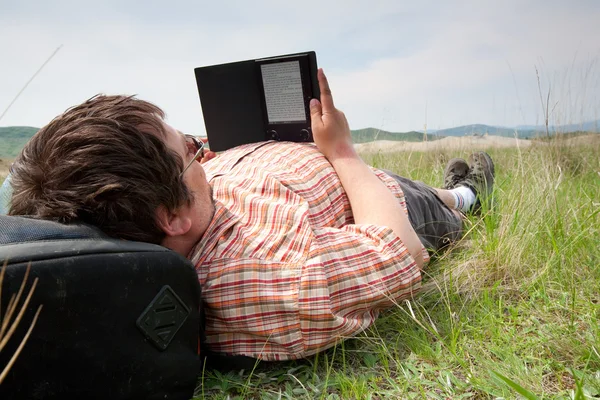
(353, 273)
(276, 310)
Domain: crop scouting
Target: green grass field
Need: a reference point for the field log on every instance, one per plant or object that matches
(513, 310)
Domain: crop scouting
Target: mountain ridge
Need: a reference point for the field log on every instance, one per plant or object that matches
(521, 131)
(13, 138)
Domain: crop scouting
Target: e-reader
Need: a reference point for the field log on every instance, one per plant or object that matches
(257, 100)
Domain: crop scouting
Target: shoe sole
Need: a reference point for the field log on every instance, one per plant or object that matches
(490, 163)
(447, 170)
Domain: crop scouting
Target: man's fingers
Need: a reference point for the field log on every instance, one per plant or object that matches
(326, 98)
(208, 155)
(316, 112)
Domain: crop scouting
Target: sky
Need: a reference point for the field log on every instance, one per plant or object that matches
(393, 65)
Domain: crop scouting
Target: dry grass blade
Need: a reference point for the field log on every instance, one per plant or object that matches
(6, 320)
(20, 348)
(13, 327)
(12, 306)
(29, 81)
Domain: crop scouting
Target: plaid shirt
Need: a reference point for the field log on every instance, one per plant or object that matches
(284, 270)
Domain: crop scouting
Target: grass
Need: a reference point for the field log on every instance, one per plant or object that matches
(10, 320)
(513, 311)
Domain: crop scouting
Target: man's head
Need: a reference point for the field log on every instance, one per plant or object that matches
(111, 162)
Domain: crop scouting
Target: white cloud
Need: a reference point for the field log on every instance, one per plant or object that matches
(387, 61)
(475, 69)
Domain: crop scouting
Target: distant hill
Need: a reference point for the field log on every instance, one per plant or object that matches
(13, 138)
(476, 129)
(371, 134)
(590, 126)
(522, 131)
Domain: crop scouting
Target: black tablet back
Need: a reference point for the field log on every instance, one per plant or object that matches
(236, 110)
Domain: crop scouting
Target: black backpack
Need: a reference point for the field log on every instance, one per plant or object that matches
(118, 319)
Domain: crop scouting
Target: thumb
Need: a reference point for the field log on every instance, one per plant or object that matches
(316, 111)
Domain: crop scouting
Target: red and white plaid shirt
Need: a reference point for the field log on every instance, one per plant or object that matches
(284, 270)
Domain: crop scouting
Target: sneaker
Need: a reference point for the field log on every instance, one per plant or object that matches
(455, 172)
(480, 178)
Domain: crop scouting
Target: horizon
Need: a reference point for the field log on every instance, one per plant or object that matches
(570, 128)
(395, 66)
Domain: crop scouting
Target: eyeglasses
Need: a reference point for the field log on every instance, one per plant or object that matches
(199, 145)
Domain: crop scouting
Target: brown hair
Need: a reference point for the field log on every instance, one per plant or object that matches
(104, 163)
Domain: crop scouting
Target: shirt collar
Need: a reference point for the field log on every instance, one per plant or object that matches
(222, 221)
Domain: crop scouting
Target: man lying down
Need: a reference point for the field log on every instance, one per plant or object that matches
(296, 246)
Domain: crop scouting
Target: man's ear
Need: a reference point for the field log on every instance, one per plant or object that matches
(173, 223)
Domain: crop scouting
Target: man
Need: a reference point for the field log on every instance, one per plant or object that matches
(296, 246)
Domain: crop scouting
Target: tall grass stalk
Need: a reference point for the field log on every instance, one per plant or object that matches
(8, 325)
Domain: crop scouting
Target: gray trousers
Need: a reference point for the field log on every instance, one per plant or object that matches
(435, 224)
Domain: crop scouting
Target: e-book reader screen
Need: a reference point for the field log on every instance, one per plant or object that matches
(284, 97)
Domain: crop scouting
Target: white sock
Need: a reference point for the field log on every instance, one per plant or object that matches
(464, 198)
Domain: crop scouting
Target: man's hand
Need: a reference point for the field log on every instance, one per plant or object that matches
(371, 201)
(208, 155)
(329, 125)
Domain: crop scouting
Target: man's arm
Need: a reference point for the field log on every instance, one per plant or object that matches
(371, 201)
